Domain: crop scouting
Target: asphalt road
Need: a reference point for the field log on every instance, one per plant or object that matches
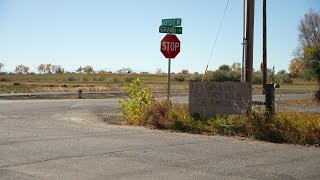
(67, 139)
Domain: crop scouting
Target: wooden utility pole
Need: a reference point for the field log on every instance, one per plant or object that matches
(249, 49)
(264, 46)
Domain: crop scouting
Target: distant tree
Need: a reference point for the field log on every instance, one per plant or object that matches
(159, 71)
(184, 71)
(79, 70)
(57, 69)
(224, 67)
(22, 69)
(281, 72)
(125, 71)
(88, 69)
(48, 68)
(102, 72)
(297, 67)
(41, 68)
(1, 66)
(236, 67)
(271, 74)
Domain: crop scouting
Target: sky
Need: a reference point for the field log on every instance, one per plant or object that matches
(112, 34)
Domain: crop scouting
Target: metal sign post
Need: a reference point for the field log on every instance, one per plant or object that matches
(169, 79)
(170, 44)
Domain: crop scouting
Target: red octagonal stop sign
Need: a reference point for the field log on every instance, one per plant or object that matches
(170, 46)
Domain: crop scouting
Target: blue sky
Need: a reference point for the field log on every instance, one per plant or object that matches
(111, 34)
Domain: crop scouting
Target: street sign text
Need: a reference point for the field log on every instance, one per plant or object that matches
(171, 22)
(170, 30)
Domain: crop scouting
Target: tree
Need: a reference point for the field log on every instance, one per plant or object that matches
(297, 67)
(309, 30)
(184, 71)
(312, 58)
(1, 66)
(48, 68)
(159, 71)
(309, 38)
(22, 69)
(42, 68)
(224, 67)
(57, 69)
(236, 67)
(88, 69)
(102, 71)
(125, 71)
(79, 70)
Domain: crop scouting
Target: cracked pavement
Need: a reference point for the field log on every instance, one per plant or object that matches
(68, 139)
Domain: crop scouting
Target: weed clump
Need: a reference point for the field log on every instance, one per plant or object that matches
(139, 98)
(4, 79)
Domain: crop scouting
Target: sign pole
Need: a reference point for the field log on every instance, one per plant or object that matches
(169, 72)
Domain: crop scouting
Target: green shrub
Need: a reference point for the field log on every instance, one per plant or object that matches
(179, 78)
(115, 79)
(283, 79)
(85, 78)
(99, 78)
(4, 79)
(72, 78)
(128, 79)
(139, 98)
(196, 77)
(257, 78)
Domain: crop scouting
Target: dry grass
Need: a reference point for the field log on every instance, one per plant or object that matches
(284, 127)
(88, 82)
(102, 82)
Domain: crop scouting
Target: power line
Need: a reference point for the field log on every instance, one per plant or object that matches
(215, 41)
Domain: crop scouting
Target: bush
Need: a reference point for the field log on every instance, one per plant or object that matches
(223, 75)
(179, 78)
(257, 78)
(196, 77)
(85, 78)
(128, 79)
(99, 78)
(289, 127)
(4, 79)
(71, 78)
(139, 98)
(115, 80)
(156, 114)
(283, 79)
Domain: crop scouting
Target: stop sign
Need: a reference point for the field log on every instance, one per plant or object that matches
(170, 46)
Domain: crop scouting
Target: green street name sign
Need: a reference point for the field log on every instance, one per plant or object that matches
(170, 30)
(171, 22)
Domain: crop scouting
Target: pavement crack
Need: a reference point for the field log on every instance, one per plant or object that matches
(16, 172)
(93, 155)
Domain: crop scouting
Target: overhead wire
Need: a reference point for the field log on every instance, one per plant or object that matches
(215, 41)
